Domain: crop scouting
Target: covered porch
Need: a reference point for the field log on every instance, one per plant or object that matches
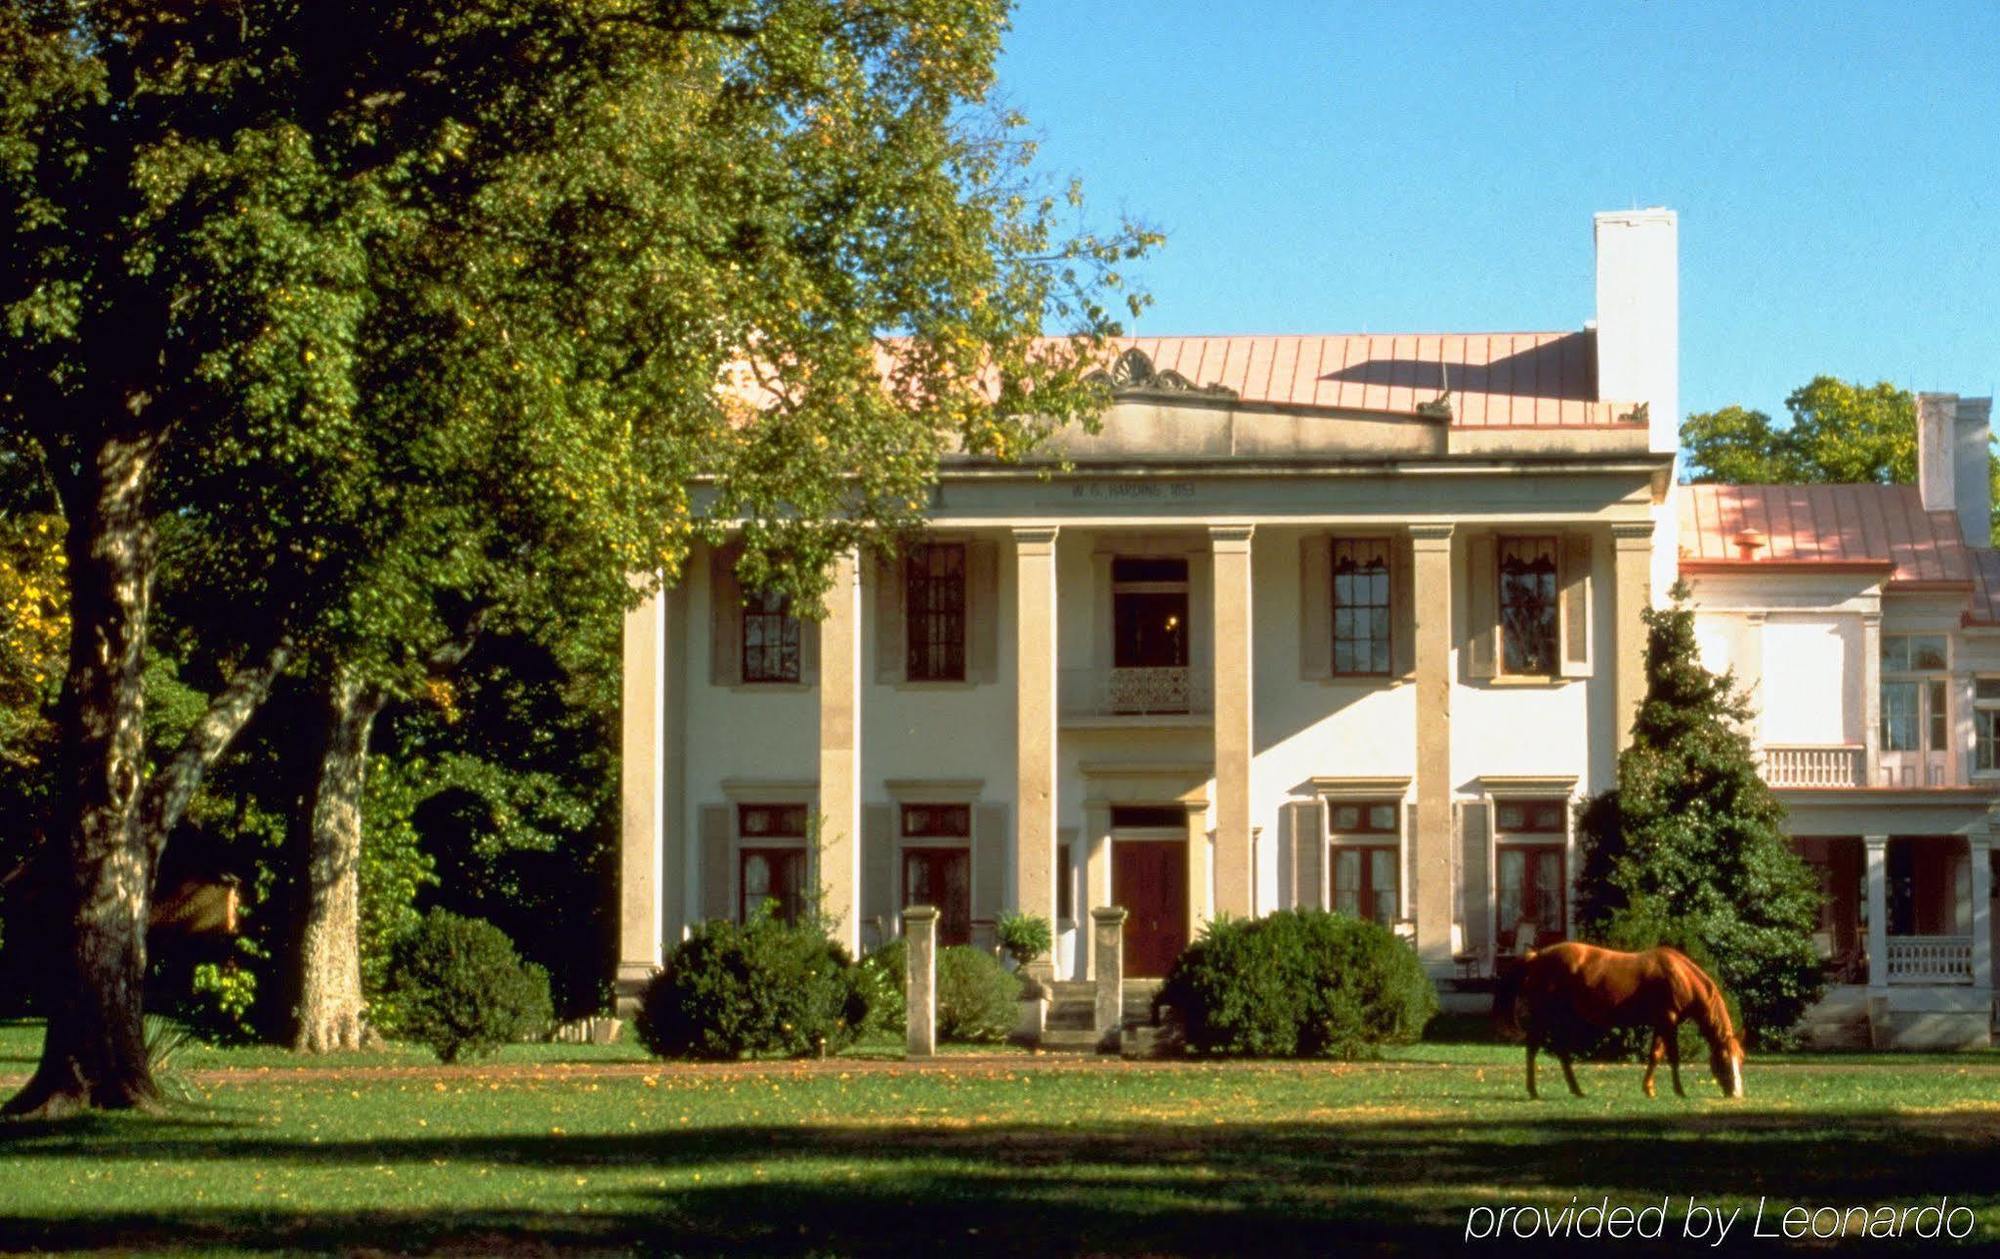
(1907, 931)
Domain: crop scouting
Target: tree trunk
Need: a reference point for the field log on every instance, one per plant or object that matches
(94, 1053)
(329, 955)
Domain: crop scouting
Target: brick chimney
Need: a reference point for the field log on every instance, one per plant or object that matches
(1953, 435)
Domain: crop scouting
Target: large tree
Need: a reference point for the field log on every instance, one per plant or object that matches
(1838, 431)
(1689, 846)
(591, 223)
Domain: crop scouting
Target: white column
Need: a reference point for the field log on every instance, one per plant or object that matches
(1431, 905)
(1980, 844)
(642, 791)
(1878, 910)
(1871, 697)
(1632, 590)
(1229, 547)
(839, 857)
(1035, 636)
(1096, 873)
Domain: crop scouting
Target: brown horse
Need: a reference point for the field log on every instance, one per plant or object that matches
(1570, 993)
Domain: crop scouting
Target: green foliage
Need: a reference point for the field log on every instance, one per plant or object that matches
(1025, 937)
(978, 999)
(457, 986)
(219, 1003)
(878, 977)
(768, 987)
(1298, 983)
(1689, 847)
(394, 869)
(1838, 432)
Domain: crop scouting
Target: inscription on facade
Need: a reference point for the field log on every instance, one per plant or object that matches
(1131, 490)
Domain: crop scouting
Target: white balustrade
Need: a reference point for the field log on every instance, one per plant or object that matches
(1930, 959)
(1134, 692)
(1815, 765)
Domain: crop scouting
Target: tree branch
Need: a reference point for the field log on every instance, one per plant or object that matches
(173, 786)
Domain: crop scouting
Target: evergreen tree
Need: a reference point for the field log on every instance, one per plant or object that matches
(1689, 847)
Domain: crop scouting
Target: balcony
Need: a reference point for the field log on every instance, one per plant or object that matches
(1815, 765)
(1175, 695)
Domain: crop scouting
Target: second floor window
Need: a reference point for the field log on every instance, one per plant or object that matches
(934, 601)
(1915, 709)
(1986, 724)
(1528, 606)
(1361, 608)
(770, 639)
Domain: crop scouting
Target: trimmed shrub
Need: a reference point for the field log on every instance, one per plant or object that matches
(879, 976)
(767, 987)
(1298, 984)
(459, 987)
(978, 998)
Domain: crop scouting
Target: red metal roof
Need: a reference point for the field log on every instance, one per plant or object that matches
(1806, 526)
(1498, 379)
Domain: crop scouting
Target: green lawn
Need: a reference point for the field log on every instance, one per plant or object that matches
(594, 1149)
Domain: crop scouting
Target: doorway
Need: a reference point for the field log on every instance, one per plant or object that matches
(1149, 880)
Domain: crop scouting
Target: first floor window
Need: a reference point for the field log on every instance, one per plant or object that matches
(775, 877)
(1364, 865)
(770, 639)
(941, 878)
(1364, 881)
(1531, 893)
(1986, 724)
(1528, 606)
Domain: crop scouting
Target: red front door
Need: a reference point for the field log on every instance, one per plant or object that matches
(1149, 881)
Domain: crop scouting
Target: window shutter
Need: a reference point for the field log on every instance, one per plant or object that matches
(1308, 856)
(881, 889)
(725, 601)
(1402, 607)
(716, 876)
(809, 645)
(1315, 607)
(1575, 580)
(1477, 891)
(989, 867)
(982, 612)
(889, 627)
(1482, 611)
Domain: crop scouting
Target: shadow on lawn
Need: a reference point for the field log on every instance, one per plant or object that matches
(1228, 1189)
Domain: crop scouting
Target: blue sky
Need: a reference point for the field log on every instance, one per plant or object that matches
(1389, 167)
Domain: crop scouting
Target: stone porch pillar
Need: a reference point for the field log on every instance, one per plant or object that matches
(838, 860)
(1229, 547)
(1632, 583)
(1096, 873)
(1035, 636)
(920, 924)
(1980, 847)
(1878, 914)
(1431, 594)
(1107, 929)
(642, 833)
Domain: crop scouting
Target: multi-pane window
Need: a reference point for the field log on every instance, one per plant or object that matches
(1531, 838)
(1986, 724)
(1529, 638)
(1915, 708)
(767, 872)
(1361, 608)
(937, 866)
(770, 638)
(1364, 865)
(934, 603)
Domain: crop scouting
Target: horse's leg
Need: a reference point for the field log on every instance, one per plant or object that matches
(1533, 1045)
(1653, 1062)
(1673, 1039)
(1569, 1073)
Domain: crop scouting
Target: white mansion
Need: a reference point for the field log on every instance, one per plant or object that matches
(1341, 621)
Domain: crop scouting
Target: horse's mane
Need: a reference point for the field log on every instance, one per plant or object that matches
(1714, 1010)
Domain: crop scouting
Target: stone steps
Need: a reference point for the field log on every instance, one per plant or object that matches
(1071, 1025)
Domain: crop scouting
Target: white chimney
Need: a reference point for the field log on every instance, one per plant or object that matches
(1953, 435)
(1639, 317)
